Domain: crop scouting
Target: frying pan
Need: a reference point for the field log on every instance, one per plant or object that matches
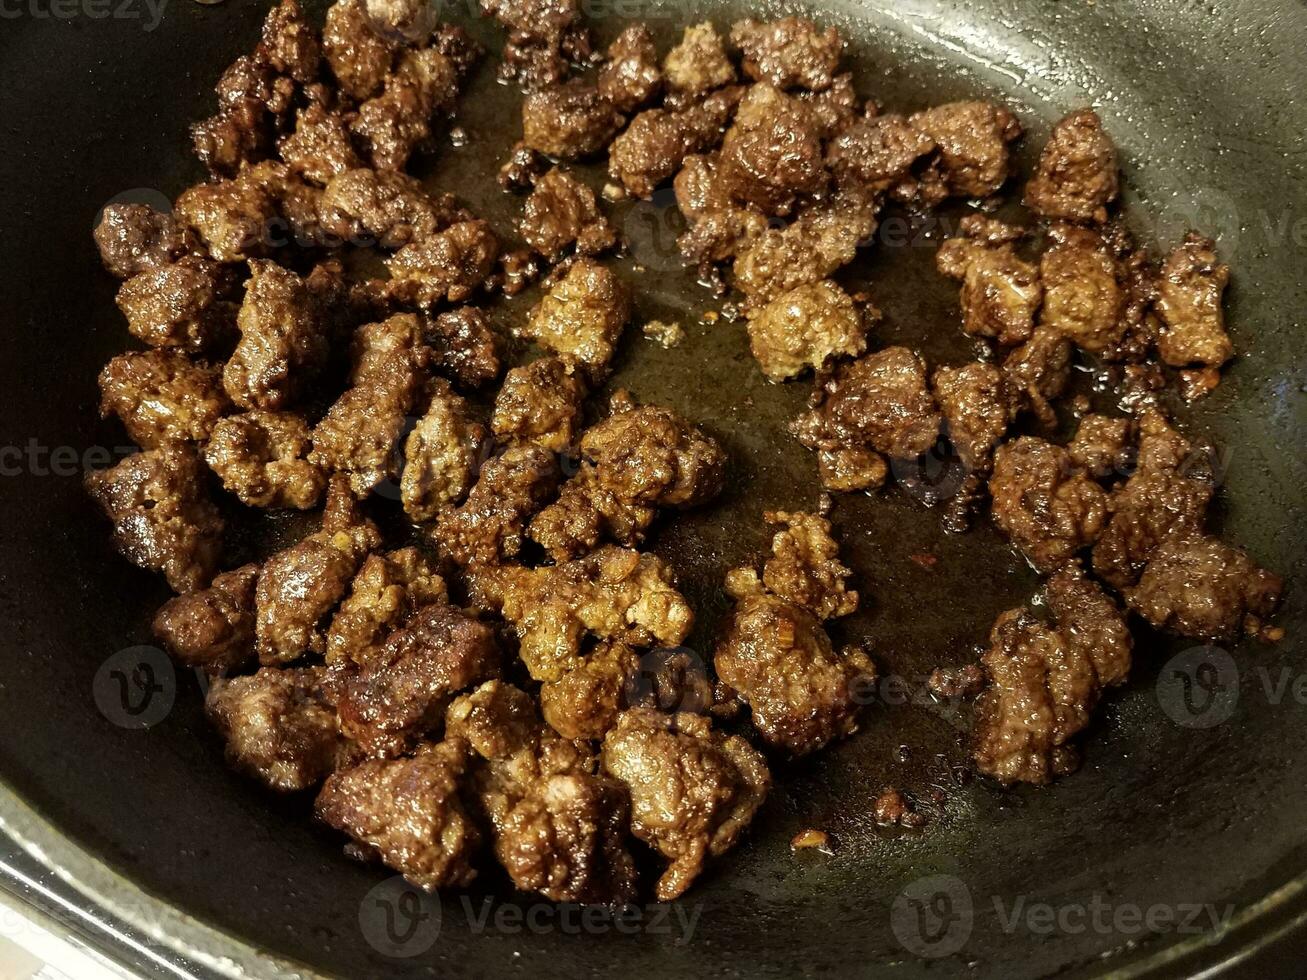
(1175, 807)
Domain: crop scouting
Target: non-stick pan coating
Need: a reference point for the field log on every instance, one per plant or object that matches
(1205, 102)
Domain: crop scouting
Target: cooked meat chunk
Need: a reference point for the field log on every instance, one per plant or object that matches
(362, 207)
(135, 238)
(973, 139)
(1047, 506)
(952, 683)
(637, 460)
(289, 42)
(163, 519)
(806, 328)
(490, 526)
(320, 148)
(1192, 282)
(261, 457)
(652, 148)
(450, 265)
(390, 126)
(279, 726)
(779, 659)
(804, 568)
(823, 238)
(212, 629)
(543, 37)
(441, 456)
(835, 108)
(773, 152)
(876, 153)
(237, 135)
(386, 590)
(541, 403)
(583, 315)
(464, 347)
(586, 700)
(1202, 588)
(978, 405)
(611, 594)
(1083, 300)
(283, 342)
(162, 396)
(409, 813)
(630, 77)
(1102, 445)
(570, 121)
(359, 57)
(401, 690)
(1000, 291)
(1039, 370)
(1046, 678)
(561, 213)
(693, 790)
(559, 829)
(788, 53)
(698, 63)
(1076, 177)
(1167, 496)
(231, 217)
(300, 586)
(183, 304)
(879, 403)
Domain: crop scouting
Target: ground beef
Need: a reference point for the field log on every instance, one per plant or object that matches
(788, 53)
(879, 404)
(1083, 299)
(543, 37)
(163, 519)
(1190, 288)
(693, 790)
(1167, 496)
(386, 591)
(1102, 445)
(804, 568)
(1000, 291)
(320, 147)
(777, 656)
(1076, 177)
(359, 57)
(1046, 678)
(389, 127)
(448, 266)
(408, 813)
(400, 692)
(261, 457)
(1202, 588)
(586, 700)
(300, 586)
(233, 218)
(634, 462)
(652, 148)
(490, 526)
(362, 207)
(279, 726)
(1047, 506)
(582, 315)
(773, 152)
(162, 396)
(952, 683)
(184, 304)
(464, 347)
(560, 213)
(441, 456)
(570, 121)
(238, 134)
(806, 328)
(630, 78)
(698, 63)
(972, 139)
(211, 629)
(1039, 371)
(876, 153)
(978, 405)
(541, 403)
(611, 594)
(135, 238)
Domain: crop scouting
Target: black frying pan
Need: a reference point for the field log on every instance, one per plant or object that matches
(1205, 100)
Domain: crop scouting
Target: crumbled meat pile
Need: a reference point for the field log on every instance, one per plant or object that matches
(509, 680)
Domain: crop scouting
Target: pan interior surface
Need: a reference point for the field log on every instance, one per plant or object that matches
(1163, 814)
